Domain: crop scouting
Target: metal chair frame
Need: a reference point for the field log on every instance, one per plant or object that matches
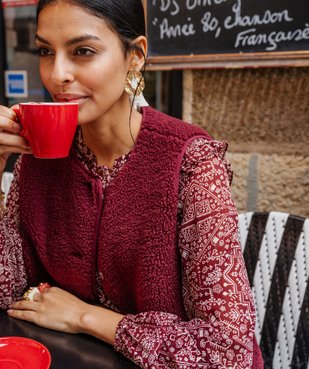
(275, 246)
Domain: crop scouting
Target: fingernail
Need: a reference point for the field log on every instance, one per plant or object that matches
(16, 127)
(10, 311)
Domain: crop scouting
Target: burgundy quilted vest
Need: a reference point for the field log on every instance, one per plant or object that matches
(73, 228)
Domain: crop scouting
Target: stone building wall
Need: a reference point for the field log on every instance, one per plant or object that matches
(264, 116)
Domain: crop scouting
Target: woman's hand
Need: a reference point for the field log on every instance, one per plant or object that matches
(10, 141)
(59, 310)
(54, 309)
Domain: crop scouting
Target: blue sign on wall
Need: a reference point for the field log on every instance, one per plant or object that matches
(16, 83)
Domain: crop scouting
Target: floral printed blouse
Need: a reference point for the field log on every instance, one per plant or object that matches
(216, 293)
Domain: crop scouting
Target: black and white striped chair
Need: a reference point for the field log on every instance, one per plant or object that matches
(276, 251)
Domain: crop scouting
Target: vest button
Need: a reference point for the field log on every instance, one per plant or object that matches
(77, 254)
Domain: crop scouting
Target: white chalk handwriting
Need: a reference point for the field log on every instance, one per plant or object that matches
(174, 19)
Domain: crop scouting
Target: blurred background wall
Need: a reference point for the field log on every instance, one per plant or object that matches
(264, 116)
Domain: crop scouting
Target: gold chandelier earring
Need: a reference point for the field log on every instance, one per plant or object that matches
(135, 83)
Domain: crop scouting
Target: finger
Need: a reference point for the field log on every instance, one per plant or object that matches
(37, 297)
(9, 125)
(8, 120)
(24, 305)
(28, 315)
(13, 149)
(14, 140)
(7, 112)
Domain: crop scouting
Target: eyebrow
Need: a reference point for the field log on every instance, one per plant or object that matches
(73, 41)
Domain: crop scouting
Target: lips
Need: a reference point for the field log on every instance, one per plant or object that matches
(70, 98)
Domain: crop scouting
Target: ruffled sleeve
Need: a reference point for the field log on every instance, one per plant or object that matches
(198, 151)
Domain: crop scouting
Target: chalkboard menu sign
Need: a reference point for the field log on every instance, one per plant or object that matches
(193, 33)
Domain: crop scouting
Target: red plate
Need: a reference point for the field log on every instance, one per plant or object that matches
(23, 353)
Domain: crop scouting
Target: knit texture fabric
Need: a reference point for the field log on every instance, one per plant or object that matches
(60, 205)
(71, 229)
(139, 262)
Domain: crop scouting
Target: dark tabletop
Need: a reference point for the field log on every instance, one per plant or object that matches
(68, 351)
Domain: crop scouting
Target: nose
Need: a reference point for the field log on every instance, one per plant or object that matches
(62, 71)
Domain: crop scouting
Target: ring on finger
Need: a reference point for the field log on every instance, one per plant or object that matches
(29, 294)
(31, 291)
(42, 286)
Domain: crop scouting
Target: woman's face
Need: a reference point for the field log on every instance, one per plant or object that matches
(81, 59)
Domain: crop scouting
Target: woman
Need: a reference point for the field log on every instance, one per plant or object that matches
(135, 231)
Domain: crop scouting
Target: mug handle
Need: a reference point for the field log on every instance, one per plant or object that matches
(19, 120)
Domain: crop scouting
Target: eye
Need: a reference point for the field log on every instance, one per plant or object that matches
(84, 51)
(44, 51)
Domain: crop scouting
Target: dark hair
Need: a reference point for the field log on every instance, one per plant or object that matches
(125, 17)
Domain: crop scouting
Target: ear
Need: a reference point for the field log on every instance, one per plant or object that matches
(137, 57)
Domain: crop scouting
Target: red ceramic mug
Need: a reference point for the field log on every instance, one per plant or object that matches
(49, 127)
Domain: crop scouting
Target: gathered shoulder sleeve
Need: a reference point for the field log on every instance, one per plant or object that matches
(216, 292)
(13, 278)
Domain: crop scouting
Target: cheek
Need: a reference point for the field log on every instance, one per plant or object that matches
(110, 73)
(109, 83)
